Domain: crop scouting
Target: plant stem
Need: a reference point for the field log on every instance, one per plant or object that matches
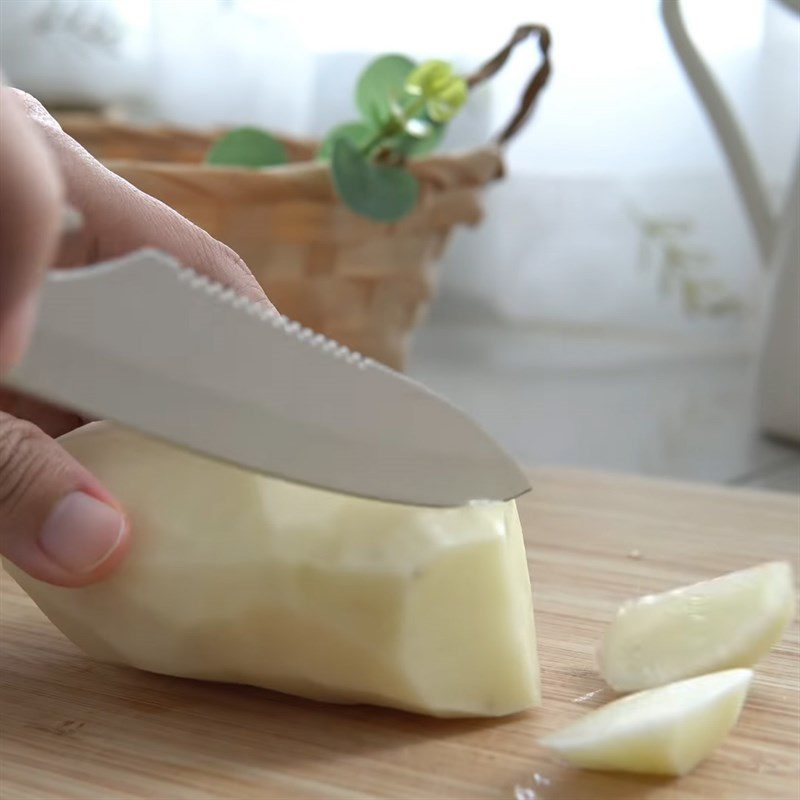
(393, 126)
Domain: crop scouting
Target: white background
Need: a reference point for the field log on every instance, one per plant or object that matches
(618, 142)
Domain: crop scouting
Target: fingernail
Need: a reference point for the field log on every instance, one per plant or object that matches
(81, 533)
(16, 332)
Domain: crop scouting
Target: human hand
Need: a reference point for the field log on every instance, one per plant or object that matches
(57, 522)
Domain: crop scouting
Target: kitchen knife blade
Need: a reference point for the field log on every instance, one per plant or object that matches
(157, 347)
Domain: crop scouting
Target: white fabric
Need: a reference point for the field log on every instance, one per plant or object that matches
(617, 175)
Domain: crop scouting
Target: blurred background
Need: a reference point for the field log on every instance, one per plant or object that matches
(609, 310)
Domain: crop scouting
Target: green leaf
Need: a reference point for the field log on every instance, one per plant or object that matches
(247, 147)
(382, 80)
(421, 147)
(382, 193)
(411, 146)
(359, 133)
(418, 128)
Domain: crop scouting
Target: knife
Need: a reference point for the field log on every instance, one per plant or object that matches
(155, 346)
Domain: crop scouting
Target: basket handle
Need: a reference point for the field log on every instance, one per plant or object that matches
(535, 85)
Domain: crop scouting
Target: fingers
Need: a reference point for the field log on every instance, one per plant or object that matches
(118, 218)
(56, 522)
(30, 222)
(53, 420)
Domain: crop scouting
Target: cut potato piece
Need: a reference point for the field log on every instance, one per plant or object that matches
(236, 577)
(664, 731)
(730, 621)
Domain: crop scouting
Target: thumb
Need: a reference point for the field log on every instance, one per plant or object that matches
(57, 523)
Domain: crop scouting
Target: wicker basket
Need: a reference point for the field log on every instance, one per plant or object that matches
(360, 282)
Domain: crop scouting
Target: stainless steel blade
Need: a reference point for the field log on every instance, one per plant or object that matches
(159, 348)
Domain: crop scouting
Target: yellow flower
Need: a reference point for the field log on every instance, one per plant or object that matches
(444, 91)
(444, 106)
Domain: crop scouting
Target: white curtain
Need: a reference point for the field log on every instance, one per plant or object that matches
(618, 211)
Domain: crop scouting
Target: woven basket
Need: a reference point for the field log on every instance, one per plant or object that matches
(363, 283)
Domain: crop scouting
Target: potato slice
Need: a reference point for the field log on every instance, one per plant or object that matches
(731, 621)
(663, 731)
(236, 577)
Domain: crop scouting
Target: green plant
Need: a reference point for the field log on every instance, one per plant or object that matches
(404, 108)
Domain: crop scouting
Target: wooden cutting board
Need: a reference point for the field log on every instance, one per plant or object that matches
(73, 728)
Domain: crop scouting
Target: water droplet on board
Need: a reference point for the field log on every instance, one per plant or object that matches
(530, 792)
(584, 698)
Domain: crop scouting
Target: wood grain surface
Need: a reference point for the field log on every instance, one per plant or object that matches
(73, 728)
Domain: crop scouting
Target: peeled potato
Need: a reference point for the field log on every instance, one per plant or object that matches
(236, 577)
(664, 731)
(731, 621)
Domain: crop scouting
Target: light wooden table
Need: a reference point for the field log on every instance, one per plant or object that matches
(72, 728)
